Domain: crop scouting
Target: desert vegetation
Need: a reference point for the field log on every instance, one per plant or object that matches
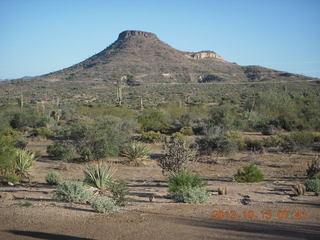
(180, 137)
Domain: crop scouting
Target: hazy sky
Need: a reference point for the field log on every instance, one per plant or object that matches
(41, 36)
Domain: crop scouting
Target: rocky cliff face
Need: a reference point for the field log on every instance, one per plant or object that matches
(133, 33)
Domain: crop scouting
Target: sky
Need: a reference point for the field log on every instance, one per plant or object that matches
(42, 36)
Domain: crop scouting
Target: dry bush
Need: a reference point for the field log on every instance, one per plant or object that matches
(298, 189)
(178, 156)
(222, 190)
(313, 169)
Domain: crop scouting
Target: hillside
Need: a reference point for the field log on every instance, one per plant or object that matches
(146, 61)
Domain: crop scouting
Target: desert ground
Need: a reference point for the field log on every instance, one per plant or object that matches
(162, 218)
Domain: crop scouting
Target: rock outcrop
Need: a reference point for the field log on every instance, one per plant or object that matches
(134, 33)
(205, 54)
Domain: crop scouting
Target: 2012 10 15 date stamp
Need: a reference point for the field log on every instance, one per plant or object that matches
(263, 214)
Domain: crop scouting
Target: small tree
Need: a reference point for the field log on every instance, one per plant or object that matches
(220, 145)
(94, 141)
(7, 161)
(62, 150)
(153, 120)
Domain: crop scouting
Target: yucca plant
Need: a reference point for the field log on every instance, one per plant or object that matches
(24, 160)
(136, 152)
(99, 176)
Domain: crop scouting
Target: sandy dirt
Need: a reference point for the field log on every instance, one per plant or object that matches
(263, 218)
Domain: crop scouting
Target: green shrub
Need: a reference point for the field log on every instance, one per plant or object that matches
(104, 205)
(178, 156)
(237, 138)
(296, 141)
(287, 121)
(73, 191)
(23, 162)
(136, 152)
(27, 204)
(119, 191)
(7, 160)
(225, 146)
(152, 137)
(179, 136)
(220, 145)
(313, 169)
(249, 173)
(62, 150)
(193, 195)
(288, 145)
(303, 138)
(42, 132)
(98, 140)
(21, 143)
(184, 179)
(254, 145)
(317, 175)
(27, 118)
(154, 120)
(313, 185)
(186, 131)
(77, 131)
(10, 177)
(316, 147)
(223, 115)
(53, 178)
(98, 176)
(273, 141)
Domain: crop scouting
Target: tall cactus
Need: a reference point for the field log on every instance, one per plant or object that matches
(120, 86)
(141, 104)
(20, 101)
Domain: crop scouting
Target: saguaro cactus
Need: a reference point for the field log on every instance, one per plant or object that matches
(20, 101)
(141, 104)
(120, 86)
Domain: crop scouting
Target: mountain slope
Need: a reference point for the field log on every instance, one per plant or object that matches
(161, 71)
(146, 59)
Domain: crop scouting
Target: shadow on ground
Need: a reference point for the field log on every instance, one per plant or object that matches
(44, 235)
(249, 229)
(261, 230)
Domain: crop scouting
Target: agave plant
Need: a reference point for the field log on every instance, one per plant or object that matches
(24, 160)
(136, 152)
(99, 176)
